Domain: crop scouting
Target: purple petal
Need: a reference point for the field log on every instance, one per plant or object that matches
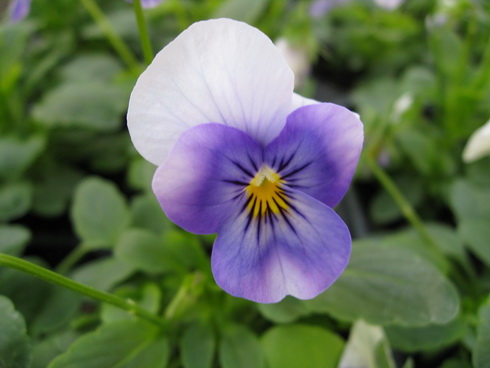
(208, 168)
(148, 3)
(300, 251)
(19, 10)
(318, 150)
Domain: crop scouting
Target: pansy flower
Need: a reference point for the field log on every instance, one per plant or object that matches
(241, 155)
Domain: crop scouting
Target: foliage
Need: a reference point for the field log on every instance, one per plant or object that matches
(418, 75)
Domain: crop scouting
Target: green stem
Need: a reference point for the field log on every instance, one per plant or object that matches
(117, 43)
(71, 259)
(407, 210)
(143, 31)
(57, 279)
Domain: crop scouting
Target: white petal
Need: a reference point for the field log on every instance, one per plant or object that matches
(300, 101)
(220, 71)
(478, 145)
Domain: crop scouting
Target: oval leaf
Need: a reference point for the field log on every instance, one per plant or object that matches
(388, 285)
(302, 346)
(99, 212)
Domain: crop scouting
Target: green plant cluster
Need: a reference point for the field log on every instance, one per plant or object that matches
(127, 288)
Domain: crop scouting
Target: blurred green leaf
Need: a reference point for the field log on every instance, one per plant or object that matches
(50, 347)
(99, 213)
(146, 213)
(427, 338)
(122, 344)
(148, 296)
(143, 250)
(287, 310)
(15, 349)
(83, 67)
(240, 348)
(13, 39)
(471, 206)
(29, 294)
(103, 274)
(395, 287)
(17, 155)
(13, 239)
(367, 347)
(385, 210)
(140, 174)
(302, 346)
(246, 11)
(481, 350)
(53, 188)
(175, 252)
(89, 104)
(197, 346)
(59, 306)
(15, 200)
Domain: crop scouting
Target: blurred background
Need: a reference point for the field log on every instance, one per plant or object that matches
(75, 196)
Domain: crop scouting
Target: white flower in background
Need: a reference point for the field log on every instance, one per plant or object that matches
(478, 145)
(297, 59)
(389, 4)
(401, 105)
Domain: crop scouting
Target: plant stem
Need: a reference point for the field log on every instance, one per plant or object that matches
(117, 43)
(57, 279)
(143, 31)
(407, 210)
(71, 259)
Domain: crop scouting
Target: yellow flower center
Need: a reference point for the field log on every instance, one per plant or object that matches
(265, 193)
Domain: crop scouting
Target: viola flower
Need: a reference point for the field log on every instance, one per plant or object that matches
(19, 9)
(241, 155)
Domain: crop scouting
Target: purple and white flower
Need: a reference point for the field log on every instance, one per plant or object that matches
(241, 155)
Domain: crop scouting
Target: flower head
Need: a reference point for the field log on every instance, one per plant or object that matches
(478, 145)
(19, 9)
(241, 155)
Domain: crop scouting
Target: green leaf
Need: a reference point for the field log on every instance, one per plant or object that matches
(50, 347)
(246, 11)
(99, 213)
(15, 200)
(395, 287)
(90, 66)
(146, 213)
(122, 344)
(140, 174)
(481, 351)
(29, 294)
(472, 208)
(148, 296)
(367, 347)
(89, 104)
(430, 337)
(240, 348)
(13, 239)
(197, 346)
(302, 346)
(53, 188)
(142, 250)
(103, 274)
(15, 350)
(17, 155)
(384, 209)
(287, 310)
(59, 306)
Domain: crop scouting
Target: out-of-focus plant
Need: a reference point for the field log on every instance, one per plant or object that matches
(77, 209)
